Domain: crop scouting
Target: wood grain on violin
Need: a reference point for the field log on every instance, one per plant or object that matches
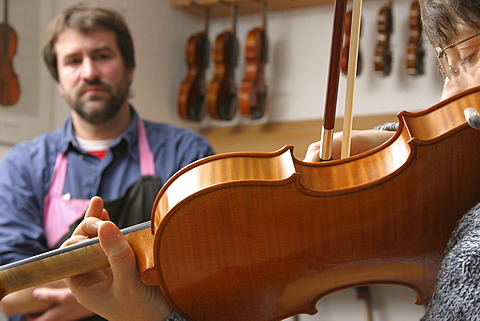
(221, 97)
(346, 46)
(9, 84)
(252, 100)
(263, 236)
(415, 50)
(383, 52)
(192, 90)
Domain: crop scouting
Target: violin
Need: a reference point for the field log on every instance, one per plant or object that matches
(221, 98)
(383, 53)
(346, 46)
(192, 89)
(252, 99)
(415, 51)
(264, 236)
(9, 84)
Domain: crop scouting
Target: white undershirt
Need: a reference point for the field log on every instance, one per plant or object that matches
(94, 145)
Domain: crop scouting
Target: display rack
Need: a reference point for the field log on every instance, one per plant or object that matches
(220, 8)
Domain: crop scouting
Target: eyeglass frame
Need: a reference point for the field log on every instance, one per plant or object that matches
(445, 68)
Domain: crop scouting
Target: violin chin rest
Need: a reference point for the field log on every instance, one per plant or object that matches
(472, 117)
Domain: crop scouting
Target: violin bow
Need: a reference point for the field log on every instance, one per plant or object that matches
(334, 75)
(351, 77)
(333, 78)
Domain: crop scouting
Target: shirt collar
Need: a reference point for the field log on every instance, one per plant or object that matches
(128, 137)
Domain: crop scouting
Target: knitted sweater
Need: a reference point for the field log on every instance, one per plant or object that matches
(457, 292)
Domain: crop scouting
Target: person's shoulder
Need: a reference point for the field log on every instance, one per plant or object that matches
(171, 131)
(40, 146)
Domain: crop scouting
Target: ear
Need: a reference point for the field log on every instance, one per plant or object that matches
(130, 74)
(60, 89)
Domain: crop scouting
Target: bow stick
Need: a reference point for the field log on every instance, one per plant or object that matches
(334, 74)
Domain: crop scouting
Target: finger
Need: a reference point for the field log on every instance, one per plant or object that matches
(312, 153)
(95, 209)
(88, 227)
(119, 253)
(53, 295)
(74, 240)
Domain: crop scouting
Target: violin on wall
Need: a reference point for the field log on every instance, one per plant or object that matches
(383, 52)
(9, 84)
(346, 46)
(221, 99)
(415, 51)
(192, 90)
(253, 93)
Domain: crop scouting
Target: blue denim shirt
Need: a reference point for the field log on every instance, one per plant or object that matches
(26, 172)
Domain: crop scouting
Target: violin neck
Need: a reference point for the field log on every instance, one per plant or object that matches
(5, 30)
(264, 15)
(5, 12)
(61, 263)
(234, 12)
(207, 22)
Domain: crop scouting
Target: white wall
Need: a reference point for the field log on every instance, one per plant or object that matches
(297, 74)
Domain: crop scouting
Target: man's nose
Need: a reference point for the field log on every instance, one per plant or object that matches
(89, 70)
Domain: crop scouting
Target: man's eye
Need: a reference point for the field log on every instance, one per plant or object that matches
(102, 57)
(72, 62)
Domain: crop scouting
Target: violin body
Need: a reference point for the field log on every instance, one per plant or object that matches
(253, 92)
(415, 51)
(221, 99)
(9, 84)
(277, 234)
(346, 47)
(383, 52)
(192, 89)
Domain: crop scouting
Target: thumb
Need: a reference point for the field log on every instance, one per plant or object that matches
(119, 253)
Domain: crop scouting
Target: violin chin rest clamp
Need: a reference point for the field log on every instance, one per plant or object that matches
(472, 117)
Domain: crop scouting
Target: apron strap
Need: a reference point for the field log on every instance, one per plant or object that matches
(147, 164)
(59, 174)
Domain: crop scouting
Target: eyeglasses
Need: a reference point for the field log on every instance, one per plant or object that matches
(446, 69)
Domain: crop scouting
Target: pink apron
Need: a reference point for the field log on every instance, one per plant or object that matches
(60, 212)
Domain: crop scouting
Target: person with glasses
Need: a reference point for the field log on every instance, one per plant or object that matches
(453, 27)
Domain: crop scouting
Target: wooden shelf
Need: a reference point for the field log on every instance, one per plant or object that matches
(220, 8)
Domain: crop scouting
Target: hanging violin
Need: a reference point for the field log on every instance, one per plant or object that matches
(252, 99)
(383, 52)
(9, 84)
(221, 100)
(415, 51)
(192, 90)
(346, 46)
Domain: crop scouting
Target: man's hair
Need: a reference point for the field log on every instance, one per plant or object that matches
(440, 17)
(86, 18)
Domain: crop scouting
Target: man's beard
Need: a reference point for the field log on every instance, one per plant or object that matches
(110, 106)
